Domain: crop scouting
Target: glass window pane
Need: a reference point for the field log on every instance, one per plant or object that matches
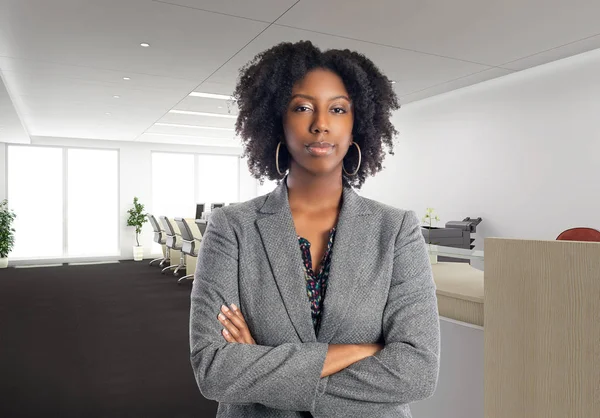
(267, 187)
(172, 187)
(218, 179)
(92, 202)
(35, 194)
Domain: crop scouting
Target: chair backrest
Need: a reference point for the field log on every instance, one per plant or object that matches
(184, 229)
(580, 234)
(167, 225)
(201, 225)
(154, 223)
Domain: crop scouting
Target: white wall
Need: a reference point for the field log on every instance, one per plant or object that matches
(3, 169)
(521, 151)
(135, 179)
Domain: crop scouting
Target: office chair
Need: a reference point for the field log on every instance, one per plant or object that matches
(173, 242)
(189, 244)
(580, 234)
(159, 238)
(202, 224)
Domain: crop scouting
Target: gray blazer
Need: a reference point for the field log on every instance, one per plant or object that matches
(380, 289)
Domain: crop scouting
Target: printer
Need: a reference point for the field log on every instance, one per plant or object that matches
(455, 234)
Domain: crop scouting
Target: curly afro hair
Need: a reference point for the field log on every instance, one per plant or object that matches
(264, 88)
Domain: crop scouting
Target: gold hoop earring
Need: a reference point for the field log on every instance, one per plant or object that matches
(277, 160)
(359, 161)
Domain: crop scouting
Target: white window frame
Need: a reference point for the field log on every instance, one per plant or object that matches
(196, 169)
(65, 258)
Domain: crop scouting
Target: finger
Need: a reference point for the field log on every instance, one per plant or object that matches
(237, 312)
(235, 309)
(237, 319)
(227, 336)
(229, 327)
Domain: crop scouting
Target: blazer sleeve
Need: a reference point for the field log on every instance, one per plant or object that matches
(406, 370)
(283, 377)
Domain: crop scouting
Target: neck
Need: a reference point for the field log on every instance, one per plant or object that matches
(313, 193)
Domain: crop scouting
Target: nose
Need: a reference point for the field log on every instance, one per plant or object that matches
(320, 123)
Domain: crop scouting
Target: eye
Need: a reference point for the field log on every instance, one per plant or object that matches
(301, 109)
(338, 110)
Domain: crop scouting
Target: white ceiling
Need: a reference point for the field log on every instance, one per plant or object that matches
(63, 61)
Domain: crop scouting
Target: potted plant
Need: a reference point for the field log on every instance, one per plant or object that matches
(137, 218)
(7, 237)
(428, 219)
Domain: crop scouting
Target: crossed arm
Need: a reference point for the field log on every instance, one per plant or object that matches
(338, 357)
(312, 376)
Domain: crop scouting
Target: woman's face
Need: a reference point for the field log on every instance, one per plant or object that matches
(318, 123)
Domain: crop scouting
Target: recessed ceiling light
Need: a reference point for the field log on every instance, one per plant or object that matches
(219, 107)
(177, 125)
(145, 45)
(107, 113)
(126, 78)
(211, 95)
(189, 112)
(116, 97)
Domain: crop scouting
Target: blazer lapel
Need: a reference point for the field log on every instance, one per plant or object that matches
(279, 238)
(346, 269)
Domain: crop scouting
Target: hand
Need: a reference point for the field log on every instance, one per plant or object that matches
(236, 330)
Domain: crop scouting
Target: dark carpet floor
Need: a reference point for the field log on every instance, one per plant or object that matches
(108, 340)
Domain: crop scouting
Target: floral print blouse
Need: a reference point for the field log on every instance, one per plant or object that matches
(316, 283)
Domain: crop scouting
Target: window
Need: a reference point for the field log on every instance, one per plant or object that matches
(92, 202)
(267, 187)
(66, 201)
(172, 187)
(35, 194)
(180, 181)
(218, 178)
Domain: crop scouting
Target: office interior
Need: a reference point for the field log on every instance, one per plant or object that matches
(104, 101)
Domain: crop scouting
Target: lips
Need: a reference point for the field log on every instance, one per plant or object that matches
(320, 149)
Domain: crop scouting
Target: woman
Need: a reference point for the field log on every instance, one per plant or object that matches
(312, 300)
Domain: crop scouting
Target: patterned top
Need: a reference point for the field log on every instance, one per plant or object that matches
(316, 284)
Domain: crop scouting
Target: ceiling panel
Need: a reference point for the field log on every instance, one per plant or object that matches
(455, 84)
(198, 120)
(64, 90)
(412, 71)
(189, 140)
(11, 129)
(58, 106)
(59, 58)
(486, 32)
(42, 69)
(555, 54)
(63, 60)
(185, 43)
(198, 104)
(193, 131)
(264, 10)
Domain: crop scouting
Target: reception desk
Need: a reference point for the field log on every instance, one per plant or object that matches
(459, 288)
(542, 329)
(459, 292)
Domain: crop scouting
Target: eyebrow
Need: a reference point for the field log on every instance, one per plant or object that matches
(305, 96)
